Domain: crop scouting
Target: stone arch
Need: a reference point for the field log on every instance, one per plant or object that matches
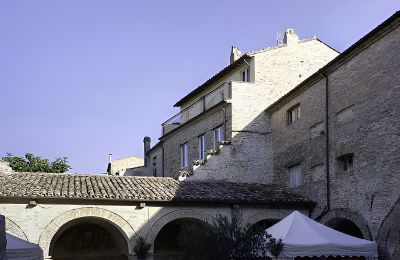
(389, 234)
(263, 215)
(117, 221)
(349, 215)
(177, 214)
(13, 228)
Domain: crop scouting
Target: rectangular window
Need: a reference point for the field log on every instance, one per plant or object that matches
(246, 75)
(202, 147)
(218, 136)
(295, 176)
(154, 172)
(346, 162)
(155, 166)
(184, 155)
(293, 114)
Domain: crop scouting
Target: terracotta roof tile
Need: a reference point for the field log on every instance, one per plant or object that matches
(54, 185)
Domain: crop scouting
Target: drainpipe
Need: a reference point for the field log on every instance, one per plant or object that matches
(327, 148)
(162, 159)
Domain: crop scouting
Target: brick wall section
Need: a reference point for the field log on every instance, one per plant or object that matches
(364, 119)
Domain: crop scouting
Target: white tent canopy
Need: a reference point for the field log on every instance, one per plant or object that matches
(303, 236)
(18, 248)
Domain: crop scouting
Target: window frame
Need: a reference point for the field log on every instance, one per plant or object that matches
(294, 110)
(202, 147)
(295, 181)
(246, 74)
(218, 136)
(346, 162)
(184, 154)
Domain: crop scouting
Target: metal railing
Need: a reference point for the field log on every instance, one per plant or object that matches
(216, 96)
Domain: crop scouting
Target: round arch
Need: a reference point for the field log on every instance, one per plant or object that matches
(348, 216)
(177, 214)
(263, 215)
(389, 234)
(115, 220)
(13, 228)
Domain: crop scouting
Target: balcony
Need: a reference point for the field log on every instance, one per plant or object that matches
(223, 92)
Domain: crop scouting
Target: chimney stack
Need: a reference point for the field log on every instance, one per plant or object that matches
(109, 157)
(290, 37)
(235, 54)
(146, 144)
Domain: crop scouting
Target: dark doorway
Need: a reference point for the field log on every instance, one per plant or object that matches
(169, 243)
(262, 225)
(345, 226)
(88, 239)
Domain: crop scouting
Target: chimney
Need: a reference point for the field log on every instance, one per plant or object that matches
(146, 143)
(109, 157)
(235, 54)
(290, 37)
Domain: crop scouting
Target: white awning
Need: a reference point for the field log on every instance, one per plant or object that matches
(303, 236)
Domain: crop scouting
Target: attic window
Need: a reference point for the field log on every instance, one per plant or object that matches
(293, 114)
(246, 75)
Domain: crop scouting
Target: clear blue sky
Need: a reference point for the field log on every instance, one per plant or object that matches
(83, 78)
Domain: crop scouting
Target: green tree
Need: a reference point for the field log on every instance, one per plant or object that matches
(227, 240)
(32, 163)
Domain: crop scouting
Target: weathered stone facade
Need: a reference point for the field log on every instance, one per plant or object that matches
(362, 111)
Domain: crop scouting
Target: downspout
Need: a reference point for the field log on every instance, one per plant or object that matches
(162, 159)
(327, 148)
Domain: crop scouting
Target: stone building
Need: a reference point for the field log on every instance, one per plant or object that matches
(289, 127)
(220, 132)
(74, 216)
(336, 139)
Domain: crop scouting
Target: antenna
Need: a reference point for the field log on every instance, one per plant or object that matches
(278, 38)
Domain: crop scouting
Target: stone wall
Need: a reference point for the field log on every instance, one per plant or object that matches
(364, 120)
(41, 223)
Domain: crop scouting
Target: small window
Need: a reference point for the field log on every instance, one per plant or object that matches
(154, 160)
(295, 176)
(293, 114)
(155, 172)
(218, 136)
(346, 162)
(184, 155)
(246, 75)
(202, 147)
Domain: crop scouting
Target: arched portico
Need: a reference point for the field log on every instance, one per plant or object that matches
(347, 221)
(66, 219)
(171, 216)
(13, 228)
(89, 238)
(262, 217)
(389, 234)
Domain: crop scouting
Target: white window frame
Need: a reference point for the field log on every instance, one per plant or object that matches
(295, 176)
(184, 155)
(293, 114)
(218, 134)
(202, 147)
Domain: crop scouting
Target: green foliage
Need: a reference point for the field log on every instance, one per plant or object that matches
(228, 240)
(31, 163)
(142, 248)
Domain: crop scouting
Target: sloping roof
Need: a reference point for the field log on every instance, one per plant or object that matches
(146, 189)
(387, 25)
(235, 65)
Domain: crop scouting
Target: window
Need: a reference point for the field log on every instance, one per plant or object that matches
(295, 176)
(218, 136)
(155, 166)
(202, 147)
(346, 162)
(184, 155)
(246, 75)
(293, 114)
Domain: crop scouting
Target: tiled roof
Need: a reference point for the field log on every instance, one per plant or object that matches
(104, 187)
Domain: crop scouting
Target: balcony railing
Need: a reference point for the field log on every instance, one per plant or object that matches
(219, 94)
